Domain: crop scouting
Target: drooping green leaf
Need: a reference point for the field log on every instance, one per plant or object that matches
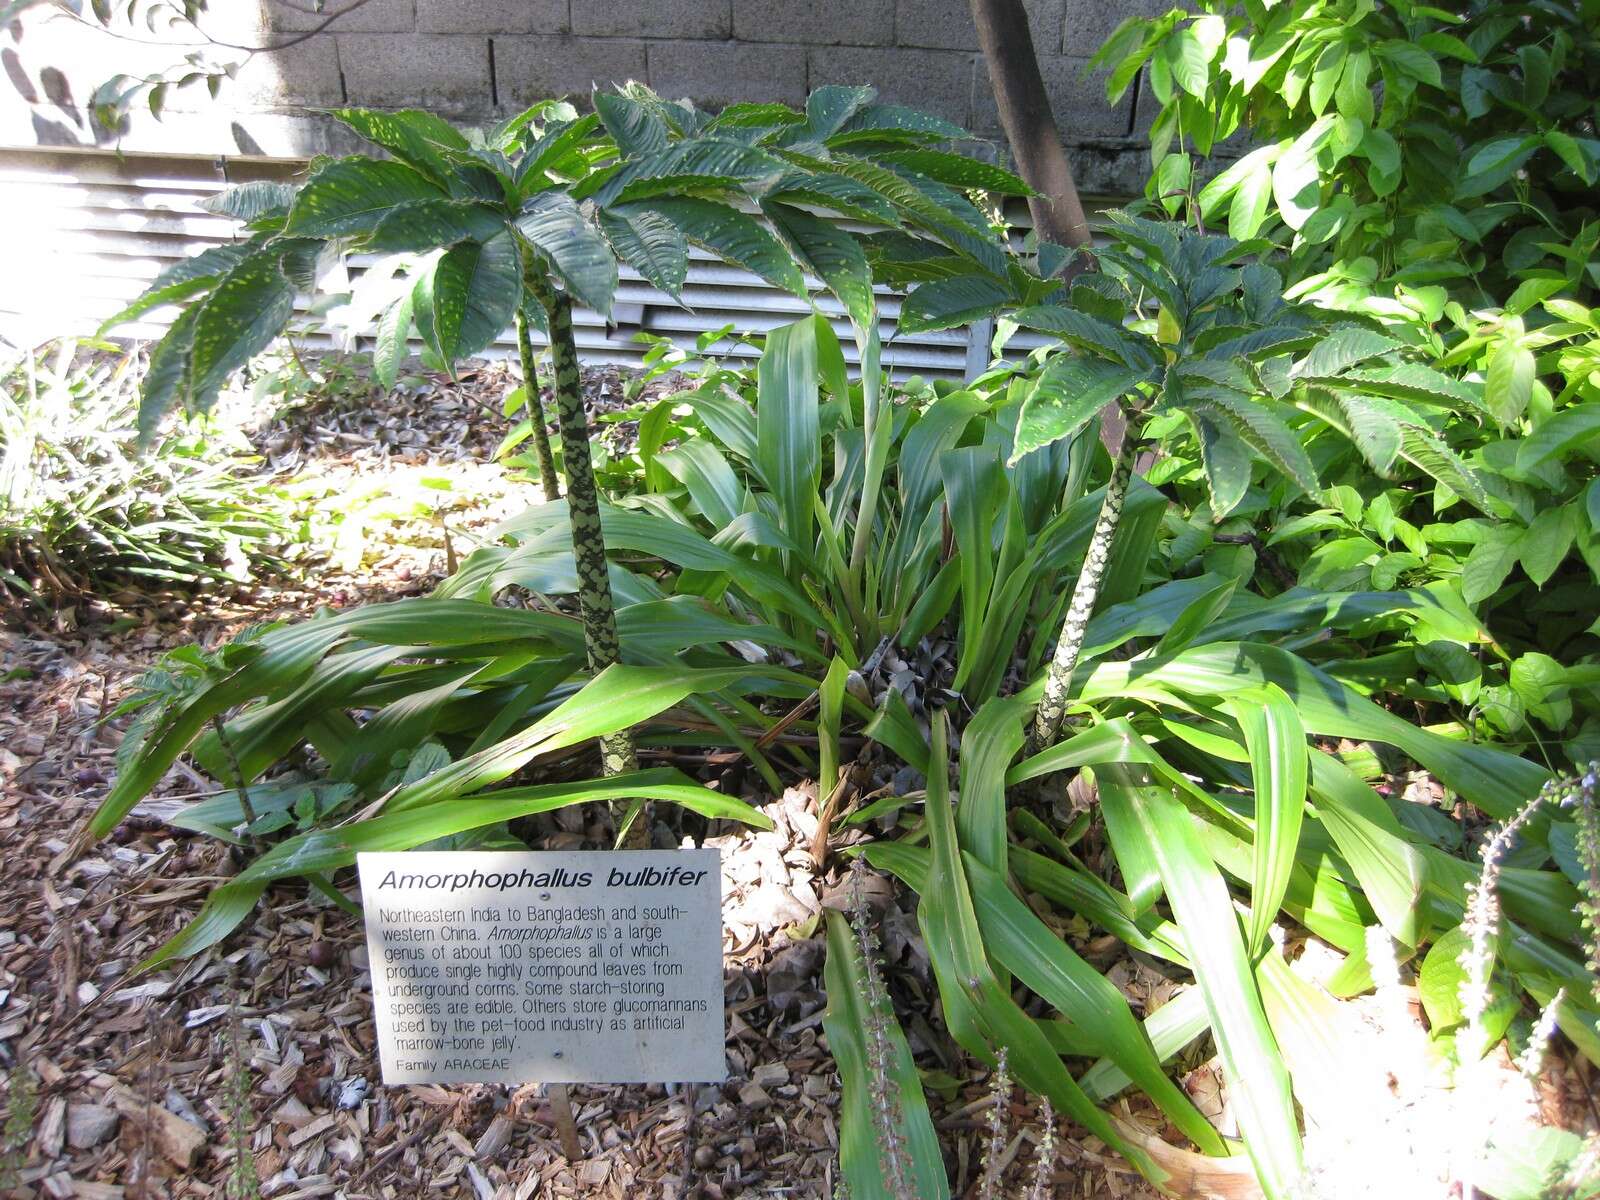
(738, 238)
(556, 229)
(947, 303)
(429, 224)
(833, 255)
(351, 195)
(469, 297)
(649, 243)
(1070, 392)
(958, 171)
(239, 319)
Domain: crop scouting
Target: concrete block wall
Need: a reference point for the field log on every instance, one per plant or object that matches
(476, 60)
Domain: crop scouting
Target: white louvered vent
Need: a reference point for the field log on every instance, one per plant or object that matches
(91, 230)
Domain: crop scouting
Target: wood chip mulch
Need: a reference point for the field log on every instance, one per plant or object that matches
(141, 1084)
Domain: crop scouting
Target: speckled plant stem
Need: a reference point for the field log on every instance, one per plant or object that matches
(535, 412)
(1052, 708)
(588, 544)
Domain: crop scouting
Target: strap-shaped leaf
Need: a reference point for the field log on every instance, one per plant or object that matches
(831, 106)
(852, 1028)
(957, 170)
(1257, 1078)
(245, 311)
(947, 303)
(412, 135)
(634, 127)
(648, 242)
(1276, 741)
(429, 224)
(1085, 332)
(832, 255)
(469, 297)
(738, 238)
(1069, 393)
(352, 195)
(556, 228)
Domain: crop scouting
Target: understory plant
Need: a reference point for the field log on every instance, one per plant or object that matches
(518, 223)
(1430, 174)
(82, 511)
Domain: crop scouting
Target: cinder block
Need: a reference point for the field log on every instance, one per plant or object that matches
(492, 16)
(716, 73)
(1088, 23)
(947, 24)
(937, 81)
(376, 16)
(1079, 103)
(305, 75)
(818, 23)
(529, 69)
(653, 18)
(448, 73)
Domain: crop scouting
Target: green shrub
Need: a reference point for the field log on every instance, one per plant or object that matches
(83, 511)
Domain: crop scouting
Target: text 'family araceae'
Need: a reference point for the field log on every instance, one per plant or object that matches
(1180, 322)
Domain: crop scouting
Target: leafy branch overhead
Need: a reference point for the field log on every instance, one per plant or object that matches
(640, 181)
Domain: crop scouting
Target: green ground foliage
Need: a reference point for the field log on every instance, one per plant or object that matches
(1353, 533)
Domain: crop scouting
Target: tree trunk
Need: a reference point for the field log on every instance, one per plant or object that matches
(1025, 115)
(1052, 708)
(583, 509)
(535, 412)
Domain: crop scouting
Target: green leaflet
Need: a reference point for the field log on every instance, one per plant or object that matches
(736, 237)
(649, 243)
(554, 227)
(469, 297)
(351, 195)
(1258, 1080)
(832, 255)
(412, 135)
(946, 303)
(421, 225)
(1070, 392)
(849, 1026)
(243, 314)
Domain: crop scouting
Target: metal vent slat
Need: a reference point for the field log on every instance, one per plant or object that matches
(99, 228)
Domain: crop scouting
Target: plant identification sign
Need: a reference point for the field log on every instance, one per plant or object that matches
(539, 967)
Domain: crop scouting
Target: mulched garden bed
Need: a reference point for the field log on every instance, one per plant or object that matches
(136, 1076)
